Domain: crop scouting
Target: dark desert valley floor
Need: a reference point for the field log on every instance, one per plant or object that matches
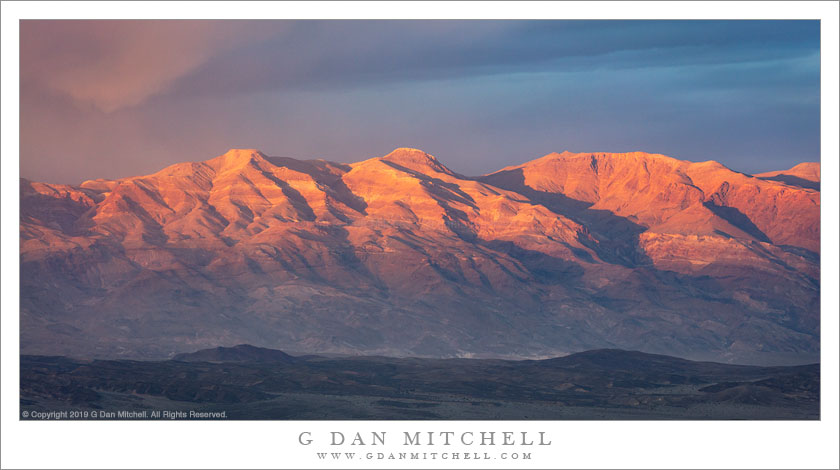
(250, 383)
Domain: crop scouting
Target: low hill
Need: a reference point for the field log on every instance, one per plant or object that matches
(603, 384)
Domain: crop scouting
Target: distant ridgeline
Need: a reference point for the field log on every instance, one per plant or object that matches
(245, 382)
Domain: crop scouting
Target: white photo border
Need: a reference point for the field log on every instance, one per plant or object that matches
(274, 444)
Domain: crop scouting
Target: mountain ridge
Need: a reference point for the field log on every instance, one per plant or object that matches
(563, 253)
(804, 175)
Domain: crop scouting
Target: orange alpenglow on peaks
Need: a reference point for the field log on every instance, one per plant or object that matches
(569, 251)
(417, 160)
(651, 189)
(236, 158)
(809, 171)
(805, 175)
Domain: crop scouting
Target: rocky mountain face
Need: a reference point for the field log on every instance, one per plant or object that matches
(398, 255)
(806, 175)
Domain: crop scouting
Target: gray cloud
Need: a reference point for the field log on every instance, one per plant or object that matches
(319, 54)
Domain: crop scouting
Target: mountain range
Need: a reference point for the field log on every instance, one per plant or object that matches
(401, 256)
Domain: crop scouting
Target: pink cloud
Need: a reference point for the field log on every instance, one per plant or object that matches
(117, 64)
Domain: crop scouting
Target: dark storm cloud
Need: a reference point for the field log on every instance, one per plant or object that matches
(115, 100)
(339, 54)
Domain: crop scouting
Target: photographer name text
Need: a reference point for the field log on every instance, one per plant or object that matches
(427, 438)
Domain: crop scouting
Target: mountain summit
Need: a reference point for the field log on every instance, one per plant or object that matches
(416, 160)
(805, 175)
(399, 255)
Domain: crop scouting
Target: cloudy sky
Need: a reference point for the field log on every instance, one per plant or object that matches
(106, 99)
